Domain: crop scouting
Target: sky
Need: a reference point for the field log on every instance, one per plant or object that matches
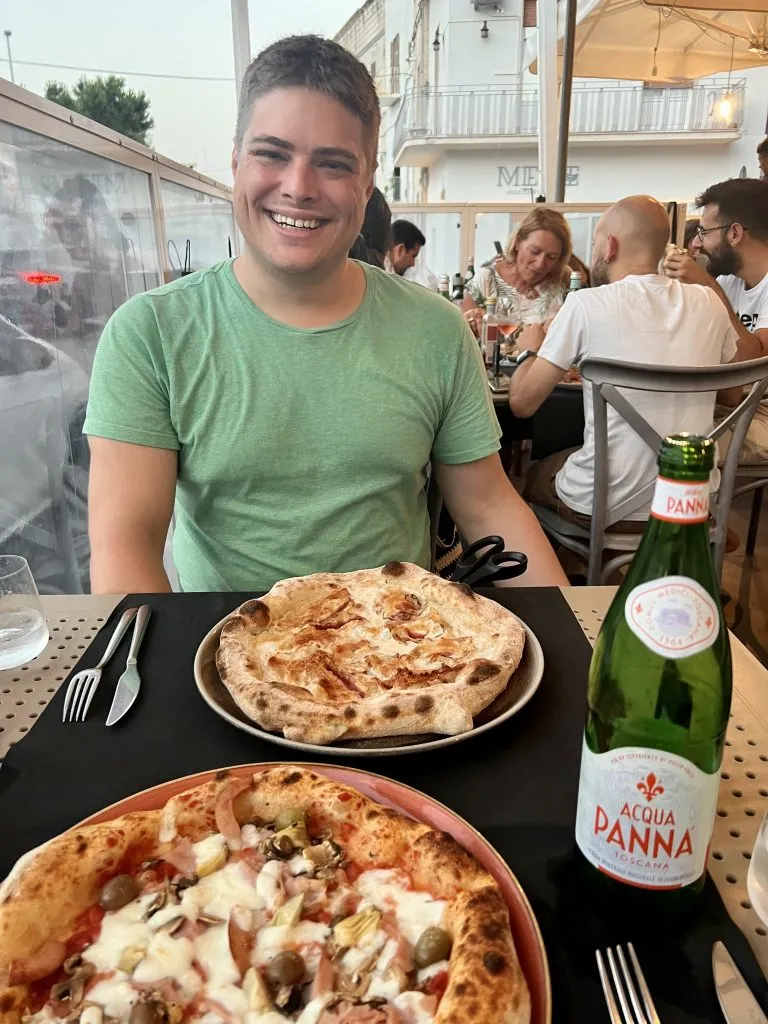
(194, 120)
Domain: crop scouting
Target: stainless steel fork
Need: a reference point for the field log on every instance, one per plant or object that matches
(633, 996)
(82, 685)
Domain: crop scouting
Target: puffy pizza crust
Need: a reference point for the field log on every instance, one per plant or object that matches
(45, 895)
(262, 661)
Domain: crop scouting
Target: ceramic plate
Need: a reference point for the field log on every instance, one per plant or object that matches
(530, 946)
(522, 685)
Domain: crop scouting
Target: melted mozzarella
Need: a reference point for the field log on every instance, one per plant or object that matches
(414, 911)
(386, 986)
(268, 884)
(387, 955)
(91, 1015)
(270, 1017)
(213, 954)
(117, 996)
(300, 865)
(217, 893)
(120, 929)
(168, 957)
(312, 1011)
(412, 1007)
(309, 936)
(367, 947)
(250, 835)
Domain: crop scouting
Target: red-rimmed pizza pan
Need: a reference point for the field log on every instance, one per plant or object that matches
(522, 685)
(525, 928)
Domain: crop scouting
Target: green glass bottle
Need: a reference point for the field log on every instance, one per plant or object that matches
(659, 696)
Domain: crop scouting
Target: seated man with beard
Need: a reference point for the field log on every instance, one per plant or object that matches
(633, 314)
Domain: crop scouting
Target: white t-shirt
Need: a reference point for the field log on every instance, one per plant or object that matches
(750, 304)
(648, 319)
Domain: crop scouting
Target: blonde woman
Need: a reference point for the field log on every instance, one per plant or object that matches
(531, 278)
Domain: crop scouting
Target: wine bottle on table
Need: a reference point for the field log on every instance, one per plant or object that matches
(658, 700)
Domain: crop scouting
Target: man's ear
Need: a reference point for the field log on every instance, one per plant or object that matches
(611, 249)
(235, 157)
(737, 234)
(398, 252)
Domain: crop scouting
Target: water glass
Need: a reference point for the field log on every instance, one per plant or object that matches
(23, 629)
(757, 876)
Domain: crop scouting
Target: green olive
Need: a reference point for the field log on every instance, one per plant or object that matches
(287, 817)
(145, 1013)
(286, 969)
(282, 847)
(117, 892)
(434, 944)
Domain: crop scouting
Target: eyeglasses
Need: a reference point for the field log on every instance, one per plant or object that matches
(700, 232)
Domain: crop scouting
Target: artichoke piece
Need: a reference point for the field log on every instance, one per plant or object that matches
(256, 991)
(130, 958)
(290, 912)
(212, 863)
(288, 841)
(289, 816)
(349, 931)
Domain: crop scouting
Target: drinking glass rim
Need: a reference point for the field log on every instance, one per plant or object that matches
(21, 566)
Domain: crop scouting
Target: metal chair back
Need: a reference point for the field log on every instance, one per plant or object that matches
(606, 377)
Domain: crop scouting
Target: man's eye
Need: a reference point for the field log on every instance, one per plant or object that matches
(267, 154)
(334, 165)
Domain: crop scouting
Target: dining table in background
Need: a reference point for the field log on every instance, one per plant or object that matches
(517, 785)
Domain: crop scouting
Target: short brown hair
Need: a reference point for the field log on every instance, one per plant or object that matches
(741, 201)
(542, 218)
(310, 62)
(762, 147)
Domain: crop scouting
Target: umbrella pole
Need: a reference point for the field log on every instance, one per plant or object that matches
(565, 100)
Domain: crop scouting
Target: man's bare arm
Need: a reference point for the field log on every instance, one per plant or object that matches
(130, 503)
(482, 501)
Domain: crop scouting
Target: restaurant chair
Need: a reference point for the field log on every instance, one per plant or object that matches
(606, 377)
(754, 478)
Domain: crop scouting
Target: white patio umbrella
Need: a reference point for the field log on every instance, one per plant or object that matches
(649, 40)
(652, 40)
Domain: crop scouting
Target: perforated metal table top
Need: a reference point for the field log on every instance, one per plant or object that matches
(74, 621)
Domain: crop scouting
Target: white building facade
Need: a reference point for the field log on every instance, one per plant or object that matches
(460, 113)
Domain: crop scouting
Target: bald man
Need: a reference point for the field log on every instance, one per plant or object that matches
(635, 315)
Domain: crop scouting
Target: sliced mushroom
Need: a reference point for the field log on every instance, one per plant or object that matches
(286, 842)
(354, 985)
(325, 857)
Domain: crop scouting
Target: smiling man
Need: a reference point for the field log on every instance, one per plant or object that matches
(290, 401)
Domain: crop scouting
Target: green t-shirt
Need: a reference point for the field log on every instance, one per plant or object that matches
(300, 450)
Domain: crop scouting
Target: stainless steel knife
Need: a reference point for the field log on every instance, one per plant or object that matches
(738, 1004)
(129, 682)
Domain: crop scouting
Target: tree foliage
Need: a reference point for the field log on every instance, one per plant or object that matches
(107, 101)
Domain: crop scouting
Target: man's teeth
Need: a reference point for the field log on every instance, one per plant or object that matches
(289, 222)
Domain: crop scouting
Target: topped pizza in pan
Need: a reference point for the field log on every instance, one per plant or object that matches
(258, 899)
(377, 652)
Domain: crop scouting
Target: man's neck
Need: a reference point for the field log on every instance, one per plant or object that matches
(302, 300)
(636, 267)
(754, 267)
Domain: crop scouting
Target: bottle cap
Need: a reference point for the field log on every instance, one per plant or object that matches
(687, 456)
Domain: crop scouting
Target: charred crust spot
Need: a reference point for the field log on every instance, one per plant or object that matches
(465, 589)
(7, 1002)
(491, 930)
(391, 711)
(460, 988)
(283, 709)
(424, 704)
(256, 613)
(372, 814)
(221, 774)
(482, 670)
(473, 1010)
(261, 703)
(81, 845)
(393, 569)
(349, 711)
(291, 779)
(251, 665)
(494, 963)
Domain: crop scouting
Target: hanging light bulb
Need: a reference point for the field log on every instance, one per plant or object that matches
(484, 30)
(725, 108)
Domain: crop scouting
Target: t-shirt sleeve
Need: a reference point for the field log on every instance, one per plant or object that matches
(477, 286)
(565, 343)
(128, 398)
(469, 429)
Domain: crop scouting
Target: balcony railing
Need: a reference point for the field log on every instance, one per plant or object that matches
(454, 113)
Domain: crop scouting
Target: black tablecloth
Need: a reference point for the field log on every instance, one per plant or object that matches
(517, 785)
